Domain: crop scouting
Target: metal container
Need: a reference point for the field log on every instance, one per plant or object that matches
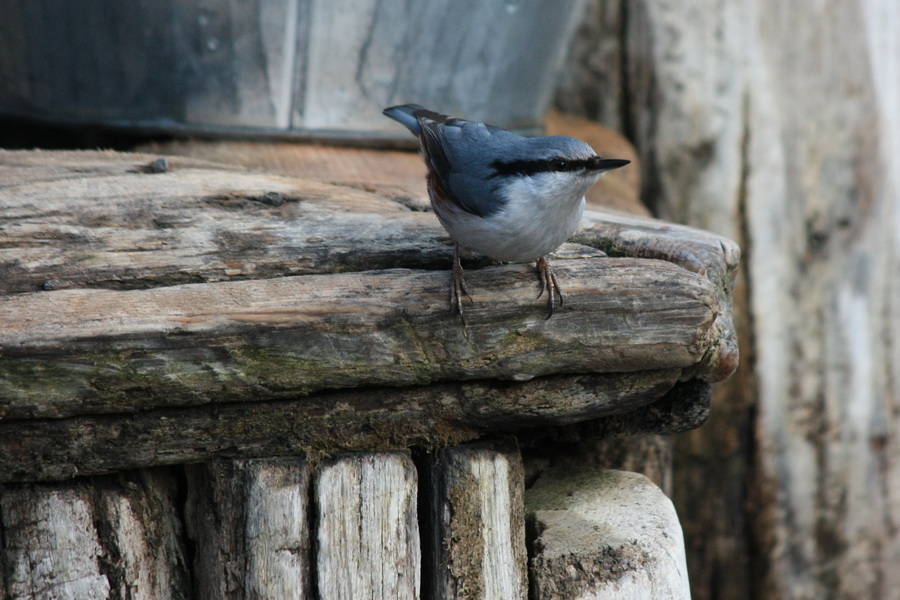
(291, 68)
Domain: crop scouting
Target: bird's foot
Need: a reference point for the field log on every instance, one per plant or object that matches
(549, 283)
(458, 287)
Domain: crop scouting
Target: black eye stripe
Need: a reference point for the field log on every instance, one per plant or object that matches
(533, 167)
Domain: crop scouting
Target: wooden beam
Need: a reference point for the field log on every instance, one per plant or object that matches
(347, 420)
(79, 351)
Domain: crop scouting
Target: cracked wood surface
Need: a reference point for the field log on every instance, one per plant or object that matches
(127, 294)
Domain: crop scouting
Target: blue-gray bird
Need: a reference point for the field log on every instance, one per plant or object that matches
(512, 198)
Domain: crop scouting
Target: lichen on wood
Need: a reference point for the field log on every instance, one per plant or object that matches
(148, 319)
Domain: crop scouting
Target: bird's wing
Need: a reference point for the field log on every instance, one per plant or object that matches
(460, 155)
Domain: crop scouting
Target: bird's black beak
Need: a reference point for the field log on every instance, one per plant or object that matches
(607, 164)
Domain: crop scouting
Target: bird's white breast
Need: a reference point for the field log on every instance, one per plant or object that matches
(540, 214)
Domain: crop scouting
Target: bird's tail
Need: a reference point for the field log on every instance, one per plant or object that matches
(405, 114)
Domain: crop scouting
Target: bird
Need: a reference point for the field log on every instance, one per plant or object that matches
(511, 198)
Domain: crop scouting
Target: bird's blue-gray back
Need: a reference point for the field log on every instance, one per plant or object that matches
(461, 153)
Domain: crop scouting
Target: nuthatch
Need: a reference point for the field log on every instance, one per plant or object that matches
(511, 198)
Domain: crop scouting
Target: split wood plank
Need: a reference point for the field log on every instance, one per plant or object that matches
(98, 219)
(141, 533)
(106, 537)
(51, 546)
(477, 523)
(250, 523)
(367, 528)
(81, 351)
(348, 420)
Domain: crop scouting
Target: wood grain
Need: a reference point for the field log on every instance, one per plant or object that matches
(367, 528)
(138, 518)
(51, 547)
(477, 523)
(74, 351)
(754, 121)
(129, 293)
(250, 523)
(109, 537)
(350, 420)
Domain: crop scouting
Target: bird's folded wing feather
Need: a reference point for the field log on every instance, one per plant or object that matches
(460, 156)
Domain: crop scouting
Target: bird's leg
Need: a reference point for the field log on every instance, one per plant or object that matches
(458, 285)
(549, 283)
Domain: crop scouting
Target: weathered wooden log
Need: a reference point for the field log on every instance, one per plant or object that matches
(604, 535)
(96, 538)
(249, 521)
(322, 310)
(447, 413)
(367, 528)
(51, 545)
(73, 351)
(477, 523)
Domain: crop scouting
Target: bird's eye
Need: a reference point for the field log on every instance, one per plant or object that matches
(559, 164)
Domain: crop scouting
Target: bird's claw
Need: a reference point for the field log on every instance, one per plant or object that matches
(550, 284)
(458, 288)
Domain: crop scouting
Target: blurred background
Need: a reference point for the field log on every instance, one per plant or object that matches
(776, 124)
